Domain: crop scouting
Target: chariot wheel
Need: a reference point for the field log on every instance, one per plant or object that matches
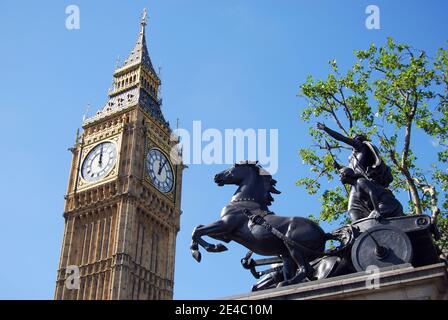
(381, 246)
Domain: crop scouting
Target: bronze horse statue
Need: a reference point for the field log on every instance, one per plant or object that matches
(301, 240)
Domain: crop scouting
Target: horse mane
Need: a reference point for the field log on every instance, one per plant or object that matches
(268, 182)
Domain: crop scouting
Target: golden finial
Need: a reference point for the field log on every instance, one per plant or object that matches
(117, 62)
(143, 21)
(77, 136)
(84, 117)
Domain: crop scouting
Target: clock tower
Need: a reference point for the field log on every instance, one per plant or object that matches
(122, 207)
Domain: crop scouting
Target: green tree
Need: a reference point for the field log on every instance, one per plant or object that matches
(392, 93)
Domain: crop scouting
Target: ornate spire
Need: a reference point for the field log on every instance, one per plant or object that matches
(135, 83)
(143, 21)
(139, 54)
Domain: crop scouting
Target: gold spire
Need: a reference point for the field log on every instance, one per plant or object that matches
(139, 54)
(135, 81)
(77, 137)
(144, 20)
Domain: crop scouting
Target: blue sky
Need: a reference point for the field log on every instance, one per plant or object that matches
(230, 64)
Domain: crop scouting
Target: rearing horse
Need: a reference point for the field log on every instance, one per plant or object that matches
(255, 186)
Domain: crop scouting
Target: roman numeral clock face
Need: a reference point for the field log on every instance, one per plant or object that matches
(99, 161)
(159, 170)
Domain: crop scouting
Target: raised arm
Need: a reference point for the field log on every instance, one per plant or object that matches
(336, 135)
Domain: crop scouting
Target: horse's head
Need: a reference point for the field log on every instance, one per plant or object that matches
(233, 175)
(254, 181)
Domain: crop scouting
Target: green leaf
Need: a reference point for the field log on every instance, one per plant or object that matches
(388, 89)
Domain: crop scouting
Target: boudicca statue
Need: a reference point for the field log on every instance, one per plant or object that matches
(380, 234)
(372, 172)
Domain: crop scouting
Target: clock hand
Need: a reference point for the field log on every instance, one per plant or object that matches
(101, 156)
(161, 167)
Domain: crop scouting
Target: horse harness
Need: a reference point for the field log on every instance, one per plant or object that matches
(258, 219)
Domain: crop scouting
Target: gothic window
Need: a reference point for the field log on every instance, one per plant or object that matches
(154, 252)
(139, 244)
(99, 252)
(168, 269)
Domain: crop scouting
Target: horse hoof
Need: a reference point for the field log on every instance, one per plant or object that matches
(283, 284)
(220, 247)
(299, 278)
(196, 255)
(216, 248)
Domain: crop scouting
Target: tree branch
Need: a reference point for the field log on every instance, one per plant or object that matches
(431, 191)
(407, 137)
(335, 117)
(346, 108)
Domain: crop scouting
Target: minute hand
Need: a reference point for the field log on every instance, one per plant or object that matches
(101, 157)
(161, 167)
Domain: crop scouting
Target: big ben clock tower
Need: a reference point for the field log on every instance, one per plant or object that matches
(122, 207)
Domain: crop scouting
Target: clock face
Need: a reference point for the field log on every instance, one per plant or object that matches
(159, 170)
(99, 161)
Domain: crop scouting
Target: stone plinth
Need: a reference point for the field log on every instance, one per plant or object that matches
(402, 282)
